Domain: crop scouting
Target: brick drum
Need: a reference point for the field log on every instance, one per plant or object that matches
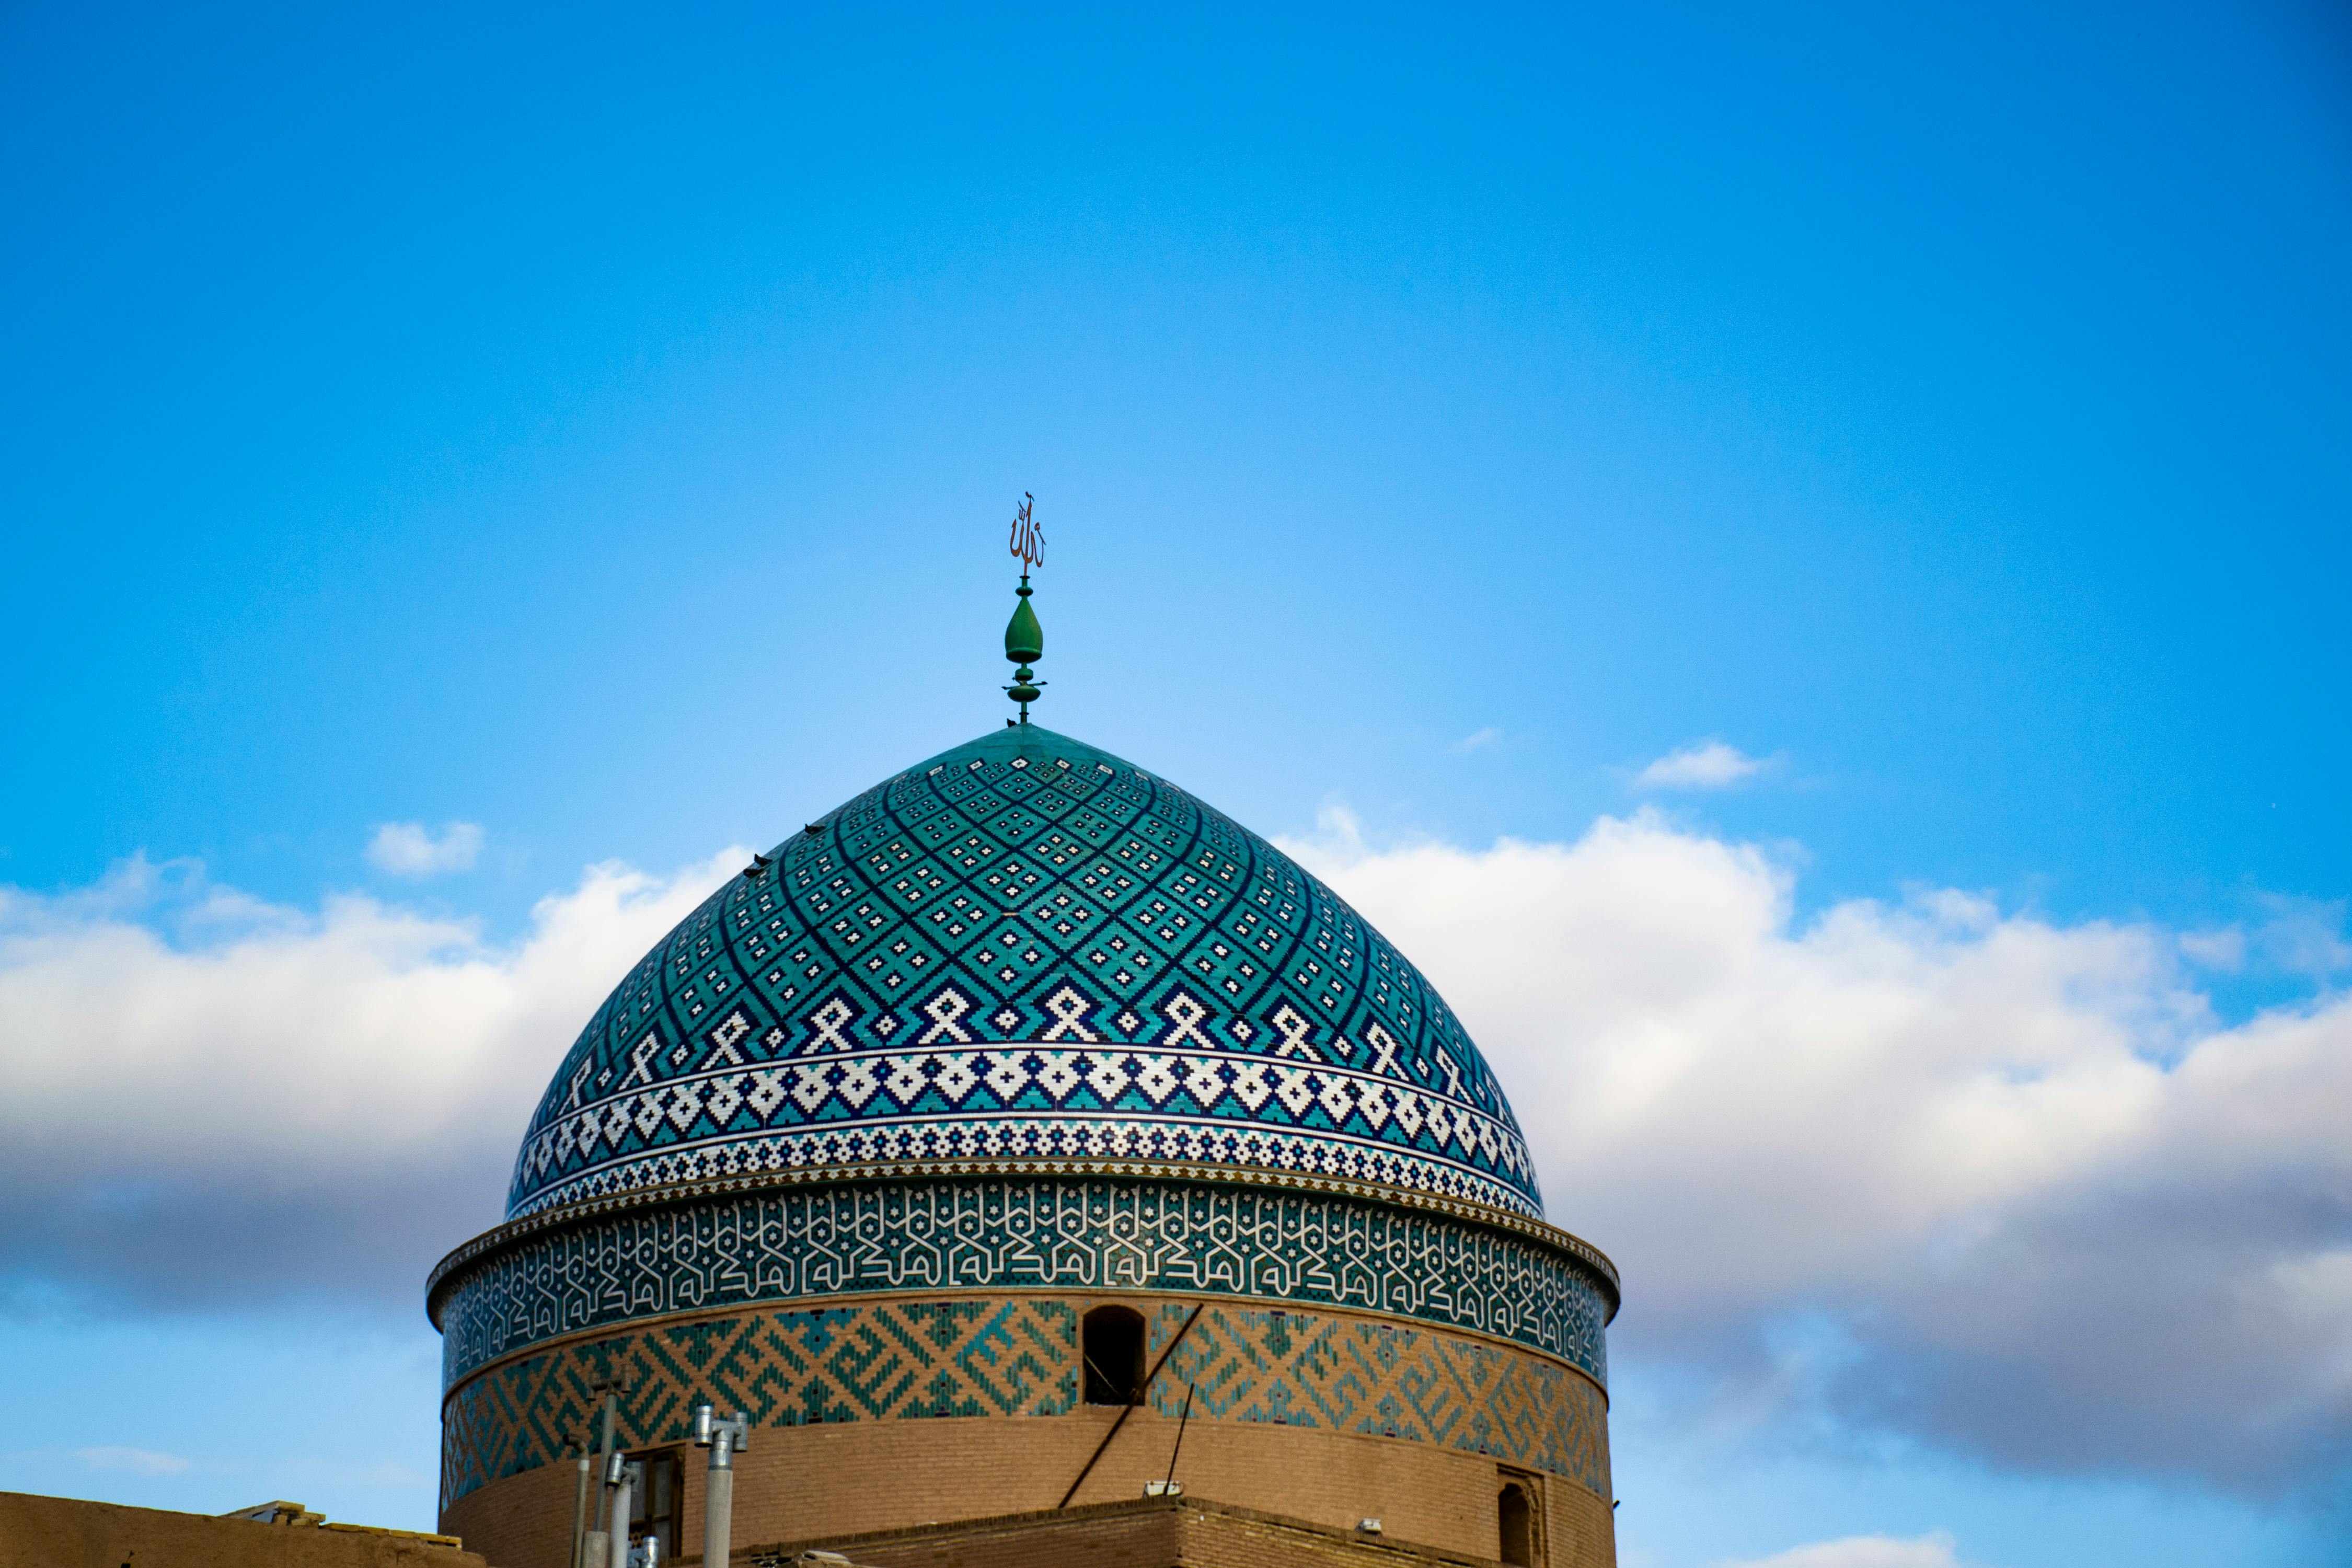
(867, 1418)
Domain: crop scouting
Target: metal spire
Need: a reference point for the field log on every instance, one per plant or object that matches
(1025, 639)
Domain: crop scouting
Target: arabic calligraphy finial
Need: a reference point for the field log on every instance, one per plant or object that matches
(1028, 539)
(1025, 639)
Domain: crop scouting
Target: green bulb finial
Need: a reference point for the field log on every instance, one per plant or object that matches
(1024, 641)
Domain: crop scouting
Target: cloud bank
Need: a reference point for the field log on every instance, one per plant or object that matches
(1971, 1177)
(204, 1099)
(1933, 1551)
(1928, 1168)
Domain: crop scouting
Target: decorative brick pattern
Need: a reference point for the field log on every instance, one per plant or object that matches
(1381, 1379)
(1018, 1357)
(823, 1243)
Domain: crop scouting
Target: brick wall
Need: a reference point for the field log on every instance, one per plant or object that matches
(811, 1482)
(69, 1532)
(1157, 1534)
(997, 1377)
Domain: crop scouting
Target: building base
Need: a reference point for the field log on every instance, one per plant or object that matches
(1148, 1532)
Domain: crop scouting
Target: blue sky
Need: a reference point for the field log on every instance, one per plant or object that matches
(598, 427)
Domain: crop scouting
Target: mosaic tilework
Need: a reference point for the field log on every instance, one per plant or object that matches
(1024, 946)
(1199, 1100)
(790, 1243)
(1345, 1373)
(901, 1360)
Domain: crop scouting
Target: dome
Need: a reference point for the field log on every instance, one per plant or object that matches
(1024, 953)
(1022, 1101)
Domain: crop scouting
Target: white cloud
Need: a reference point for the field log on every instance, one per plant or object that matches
(1702, 765)
(2224, 949)
(408, 849)
(1478, 739)
(2299, 937)
(1933, 1551)
(285, 1101)
(144, 1461)
(2302, 936)
(2051, 1212)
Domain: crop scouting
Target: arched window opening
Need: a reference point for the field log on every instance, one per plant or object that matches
(1112, 1341)
(1517, 1521)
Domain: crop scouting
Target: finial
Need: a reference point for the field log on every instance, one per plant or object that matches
(1025, 639)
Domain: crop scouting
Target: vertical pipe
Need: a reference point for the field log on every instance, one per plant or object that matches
(624, 1499)
(719, 1502)
(596, 1546)
(579, 1509)
(605, 1455)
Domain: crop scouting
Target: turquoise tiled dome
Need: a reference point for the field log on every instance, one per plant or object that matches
(1024, 953)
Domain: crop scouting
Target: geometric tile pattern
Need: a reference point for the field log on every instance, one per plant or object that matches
(1177, 1106)
(794, 1367)
(1009, 1357)
(819, 1243)
(1384, 1379)
(1031, 948)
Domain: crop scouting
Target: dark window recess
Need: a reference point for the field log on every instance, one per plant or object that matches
(1112, 1340)
(653, 1507)
(1517, 1520)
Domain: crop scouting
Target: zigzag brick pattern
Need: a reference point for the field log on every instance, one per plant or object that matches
(910, 1360)
(1353, 1375)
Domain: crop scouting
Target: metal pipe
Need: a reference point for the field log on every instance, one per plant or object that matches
(580, 1507)
(719, 1513)
(605, 1455)
(623, 1507)
(722, 1436)
(1178, 1449)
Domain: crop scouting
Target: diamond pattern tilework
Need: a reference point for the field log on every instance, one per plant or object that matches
(835, 1241)
(1024, 948)
(901, 1360)
(1383, 1379)
(912, 1360)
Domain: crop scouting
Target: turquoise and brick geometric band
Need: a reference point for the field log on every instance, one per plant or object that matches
(912, 1360)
